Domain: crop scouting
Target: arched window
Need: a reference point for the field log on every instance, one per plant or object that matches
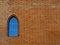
(13, 26)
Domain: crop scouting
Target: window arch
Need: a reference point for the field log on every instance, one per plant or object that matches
(13, 26)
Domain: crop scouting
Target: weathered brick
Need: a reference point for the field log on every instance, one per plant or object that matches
(39, 22)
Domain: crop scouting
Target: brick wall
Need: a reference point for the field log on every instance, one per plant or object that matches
(39, 22)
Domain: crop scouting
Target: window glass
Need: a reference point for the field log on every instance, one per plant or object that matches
(13, 27)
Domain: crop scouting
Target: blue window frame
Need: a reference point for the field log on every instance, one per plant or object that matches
(13, 27)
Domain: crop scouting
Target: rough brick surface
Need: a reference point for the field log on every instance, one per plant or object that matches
(39, 22)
